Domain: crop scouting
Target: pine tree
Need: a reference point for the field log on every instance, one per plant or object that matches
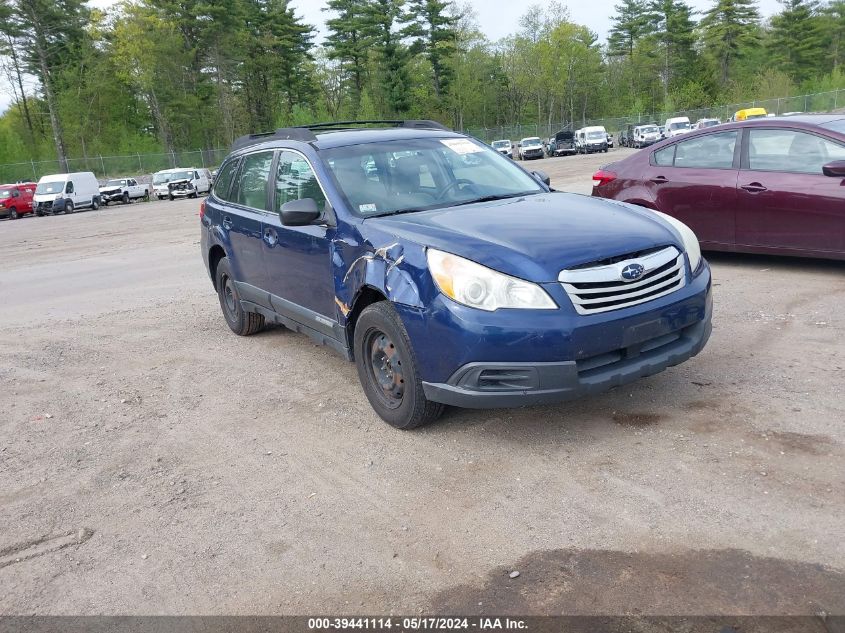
(797, 42)
(348, 42)
(631, 23)
(382, 18)
(728, 28)
(674, 34)
(834, 31)
(433, 30)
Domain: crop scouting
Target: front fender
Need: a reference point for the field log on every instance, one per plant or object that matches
(395, 269)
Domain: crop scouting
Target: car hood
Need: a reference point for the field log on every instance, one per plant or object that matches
(533, 237)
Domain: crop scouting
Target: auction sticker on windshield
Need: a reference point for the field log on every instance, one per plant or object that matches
(461, 146)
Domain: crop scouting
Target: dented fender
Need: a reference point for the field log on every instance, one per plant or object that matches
(392, 268)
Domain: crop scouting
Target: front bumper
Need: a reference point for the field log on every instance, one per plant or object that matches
(182, 193)
(595, 147)
(532, 153)
(507, 359)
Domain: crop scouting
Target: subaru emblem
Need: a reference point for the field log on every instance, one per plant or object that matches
(632, 272)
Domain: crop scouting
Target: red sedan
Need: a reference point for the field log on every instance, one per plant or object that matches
(774, 185)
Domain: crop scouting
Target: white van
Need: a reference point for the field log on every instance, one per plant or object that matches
(181, 182)
(67, 193)
(676, 126)
(592, 138)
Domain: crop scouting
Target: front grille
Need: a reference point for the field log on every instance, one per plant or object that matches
(601, 287)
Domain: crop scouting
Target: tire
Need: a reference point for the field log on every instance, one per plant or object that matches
(388, 371)
(125, 198)
(171, 198)
(146, 196)
(95, 204)
(69, 207)
(240, 321)
(13, 214)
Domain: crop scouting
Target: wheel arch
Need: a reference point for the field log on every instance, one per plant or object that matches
(215, 254)
(366, 296)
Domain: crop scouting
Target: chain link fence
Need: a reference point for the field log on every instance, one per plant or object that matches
(819, 102)
(143, 165)
(139, 166)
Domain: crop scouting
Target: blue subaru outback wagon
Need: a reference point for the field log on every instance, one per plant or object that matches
(445, 271)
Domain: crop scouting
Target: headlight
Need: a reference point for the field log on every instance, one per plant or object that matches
(480, 287)
(691, 245)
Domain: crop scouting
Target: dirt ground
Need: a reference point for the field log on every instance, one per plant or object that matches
(151, 462)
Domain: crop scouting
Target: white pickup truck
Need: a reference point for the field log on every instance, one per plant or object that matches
(124, 190)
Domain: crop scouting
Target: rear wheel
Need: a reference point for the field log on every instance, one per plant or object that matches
(388, 371)
(240, 321)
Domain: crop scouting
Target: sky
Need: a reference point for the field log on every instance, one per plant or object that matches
(496, 18)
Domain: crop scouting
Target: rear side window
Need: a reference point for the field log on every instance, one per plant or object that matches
(224, 180)
(665, 157)
(252, 181)
(711, 151)
(791, 151)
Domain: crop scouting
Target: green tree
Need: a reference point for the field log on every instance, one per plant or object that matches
(390, 55)
(631, 23)
(348, 42)
(796, 42)
(432, 28)
(674, 34)
(729, 28)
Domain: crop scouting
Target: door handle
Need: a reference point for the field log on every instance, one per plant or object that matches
(227, 222)
(659, 180)
(754, 187)
(271, 237)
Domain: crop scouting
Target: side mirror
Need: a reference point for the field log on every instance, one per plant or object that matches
(299, 212)
(835, 169)
(542, 177)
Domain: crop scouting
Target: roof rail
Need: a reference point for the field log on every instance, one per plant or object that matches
(305, 133)
(416, 124)
(282, 134)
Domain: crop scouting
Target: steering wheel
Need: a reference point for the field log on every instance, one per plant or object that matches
(452, 185)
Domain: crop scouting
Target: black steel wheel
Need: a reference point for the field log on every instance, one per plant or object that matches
(388, 371)
(240, 321)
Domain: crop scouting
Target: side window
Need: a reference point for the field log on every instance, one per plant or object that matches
(790, 151)
(711, 151)
(664, 157)
(224, 180)
(196, 175)
(69, 187)
(252, 183)
(132, 182)
(295, 180)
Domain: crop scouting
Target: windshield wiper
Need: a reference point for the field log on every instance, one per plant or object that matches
(491, 198)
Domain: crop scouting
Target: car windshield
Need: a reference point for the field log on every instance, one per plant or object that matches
(5, 193)
(837, 126)
(597, 135)
(649, 129)
(531, 141)
(51, 186)
(160, 179)
(708, 123)
(427, 173)
(115, 183)
(501, 144)
(679, 125)
(182, 175)
(755, 116)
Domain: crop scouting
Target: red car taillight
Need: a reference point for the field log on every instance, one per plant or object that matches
(202, 210)
(602, 177)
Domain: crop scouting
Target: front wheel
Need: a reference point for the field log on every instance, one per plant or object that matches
(125, 198)
(388, 371)
(95, 204)
(68, 207)
(240, 321)
(13, 214)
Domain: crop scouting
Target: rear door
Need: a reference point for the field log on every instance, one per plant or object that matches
(297, 258)
(241, 216)
(785, 199)
(694, 180)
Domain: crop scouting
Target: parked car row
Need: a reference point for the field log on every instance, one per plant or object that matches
(67, 193)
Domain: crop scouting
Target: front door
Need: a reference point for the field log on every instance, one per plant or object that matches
(695, 181)
(298, 258)
(785, 199)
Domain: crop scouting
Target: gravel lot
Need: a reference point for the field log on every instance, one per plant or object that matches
(151, 462)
